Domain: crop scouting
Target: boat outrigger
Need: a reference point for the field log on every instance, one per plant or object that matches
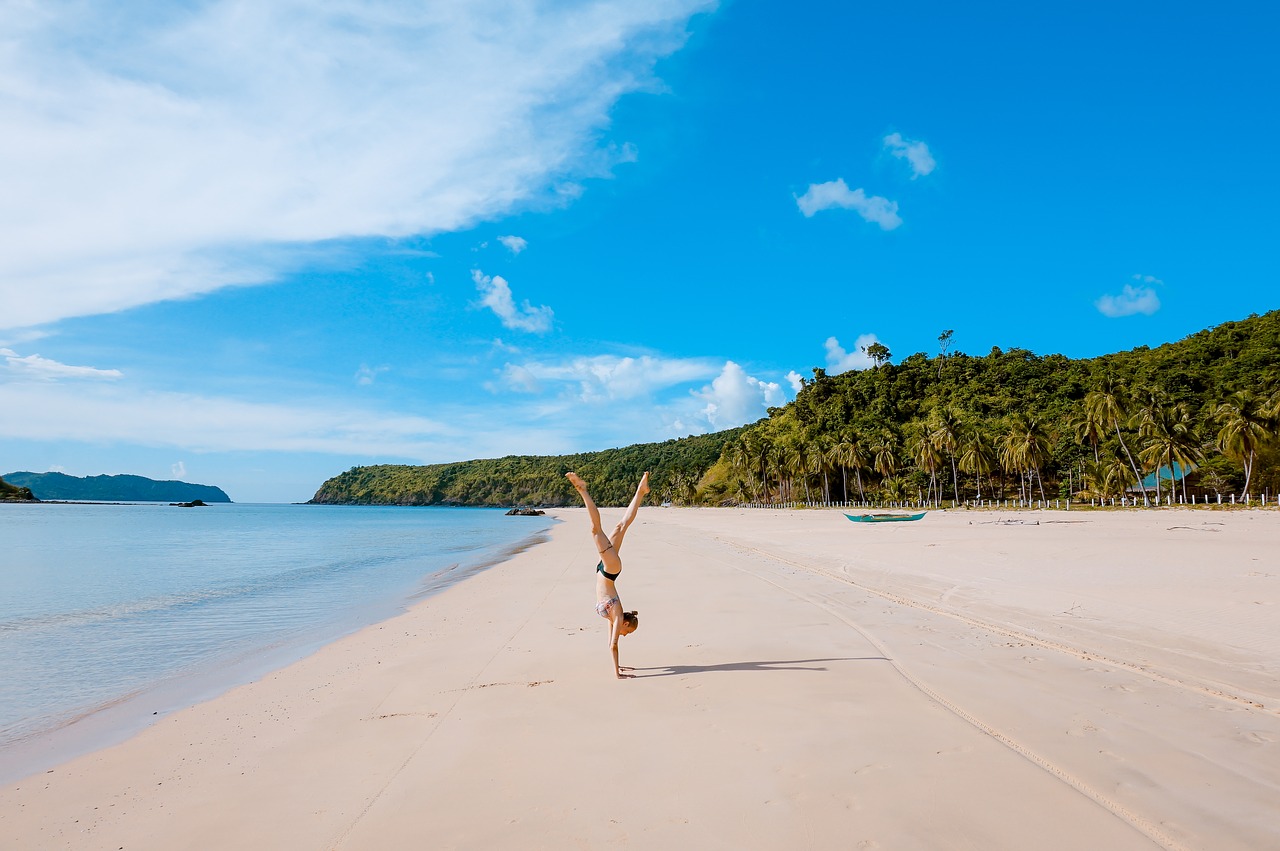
(884, 518)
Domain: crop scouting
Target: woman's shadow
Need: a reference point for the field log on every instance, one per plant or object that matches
(790, 665)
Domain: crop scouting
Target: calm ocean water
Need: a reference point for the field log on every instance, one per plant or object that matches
(102, 602)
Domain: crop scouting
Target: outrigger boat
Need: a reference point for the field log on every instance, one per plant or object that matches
(884, 518)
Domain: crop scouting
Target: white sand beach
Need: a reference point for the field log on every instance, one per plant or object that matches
(1067, 680)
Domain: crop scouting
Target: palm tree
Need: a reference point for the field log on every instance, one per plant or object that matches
(927, 458)
(885, 454)
(893, 489)
(1109, 405)
(849, 453)
(1170, 439)
(944, 430)
(1024, 448)
(793, 462)
(976, 455)
(1106, 477)
(1245, 428)
(740, 458)
(1088, 426)
(815, 462)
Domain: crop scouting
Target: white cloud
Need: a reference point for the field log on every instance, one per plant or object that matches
(913, 151)
(43, 369)
(1130, 301)
(735, 398)
(496, 295)
(1148, 279)
(366, 374)
(838, 360)
(115, 414)
(602, 378)
(178, 470)
(514, 244)
(150, 155)
(796, 380)
(835, 193)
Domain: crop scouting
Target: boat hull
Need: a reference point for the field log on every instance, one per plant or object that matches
(884, 518)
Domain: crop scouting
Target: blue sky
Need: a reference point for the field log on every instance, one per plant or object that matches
(253, 245)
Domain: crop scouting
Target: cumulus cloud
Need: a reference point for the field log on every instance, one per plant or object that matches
(154, 155)
(735, 397)
(915, 152)
(1131, 300)
(796, 380)
(43, 369)
(495, 294)
(514, 244)
(601, 378)
(836, 193)
(838, 360)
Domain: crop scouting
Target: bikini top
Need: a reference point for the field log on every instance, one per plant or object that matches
(612, 577)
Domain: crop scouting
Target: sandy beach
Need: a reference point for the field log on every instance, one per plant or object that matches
(976, 680)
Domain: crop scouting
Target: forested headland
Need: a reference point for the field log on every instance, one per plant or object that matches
(675, 466)
(935, 427)
(12, 493)
(121, 488)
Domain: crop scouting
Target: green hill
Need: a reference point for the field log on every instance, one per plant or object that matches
(10, 493)
(114, 488)
(675, 467)
(1014, 423)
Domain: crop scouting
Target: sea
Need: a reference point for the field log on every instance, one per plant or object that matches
(113, 615)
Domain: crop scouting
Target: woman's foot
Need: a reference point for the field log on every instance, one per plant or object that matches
(643, 489)
(576, 481)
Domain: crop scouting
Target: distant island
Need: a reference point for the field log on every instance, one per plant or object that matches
(10, 493)
(123, 488)
(1196, 418)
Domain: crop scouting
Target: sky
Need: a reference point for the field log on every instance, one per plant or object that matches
(254, 244)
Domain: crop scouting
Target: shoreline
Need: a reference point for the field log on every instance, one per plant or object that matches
(117, 721)
(1109, 681)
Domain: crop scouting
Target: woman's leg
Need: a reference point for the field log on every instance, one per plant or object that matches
(602, 540)
(620, 530)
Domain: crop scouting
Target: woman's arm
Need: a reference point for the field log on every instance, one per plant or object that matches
(615, 628)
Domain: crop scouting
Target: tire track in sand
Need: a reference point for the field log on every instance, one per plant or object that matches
(1009, 632)
(1139, 823)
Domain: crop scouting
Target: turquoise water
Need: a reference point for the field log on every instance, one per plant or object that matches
(99, 603)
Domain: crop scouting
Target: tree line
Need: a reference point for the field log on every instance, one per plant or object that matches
(1012, 424)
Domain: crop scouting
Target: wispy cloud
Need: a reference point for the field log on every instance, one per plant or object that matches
(116, 414)
(366, 374)
(838, 360)
(915, 152)
(1132, 299)
(151, 155)
(600, 378)
(514, 244)
(836, 193)
(178, 470)
(34, 367)
(496, 295)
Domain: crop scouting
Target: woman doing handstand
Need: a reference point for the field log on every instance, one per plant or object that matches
(610, 546)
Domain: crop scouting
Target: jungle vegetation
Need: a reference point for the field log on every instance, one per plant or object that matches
(675, 468)
(1013, 424)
